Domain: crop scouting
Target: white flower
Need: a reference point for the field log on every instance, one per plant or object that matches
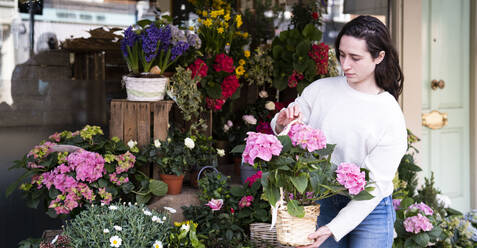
(115, 241)
(55, 239)
(226, 128)
(132, 143)
(146, 212)
(230, 123)
(249, 119)
(113, 207)
(444, 200)
(263, 94)
(189, 143)
(221, 152)
(157, 244)
(106, 230)
(155, 218)
(169, 140)
(171, 210)
(185, 227)
(270, 105)
(102, 204)
(157, 143)
(118, 228)
(164, 217)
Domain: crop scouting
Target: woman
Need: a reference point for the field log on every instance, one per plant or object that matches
(360, 114)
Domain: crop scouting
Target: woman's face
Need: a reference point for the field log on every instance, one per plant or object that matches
(356, 61)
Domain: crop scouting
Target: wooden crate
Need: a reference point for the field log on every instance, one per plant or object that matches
(140, 121)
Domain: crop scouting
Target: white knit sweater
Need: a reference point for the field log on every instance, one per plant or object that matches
(368, 130)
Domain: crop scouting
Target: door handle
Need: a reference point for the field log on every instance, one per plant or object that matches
(437, 84)
(434, 120)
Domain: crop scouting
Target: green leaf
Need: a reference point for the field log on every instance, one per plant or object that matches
(236, 94)
(280, 83)
(410, 243)
(53, 193)
(406, 202)
(214, 90)
(238, 149)
(300, 182)
(272, 194)
(15, 184)
(301, 86)
(102, 183)
(236, 191)
(52, 213)
(328, 150)
(295, 210)
(144, 23)
(157, 187)
(277, 51)
(127, 187)
(363, 195)
(303, 48)
(286, 143)
(315, 181)
(311, 32)
(143, 199)
(435, 232)
(421, 239)
(33, 203)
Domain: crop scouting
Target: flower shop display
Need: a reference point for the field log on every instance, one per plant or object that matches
(72, 170)
(119, 225)
(299, 58)
(296, 171)
(149, 49)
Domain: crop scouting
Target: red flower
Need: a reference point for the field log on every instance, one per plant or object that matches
(264, 127)
(253, 178)
(224, 63)
(229, 86)
(294, 78)
(319, 53)
(232, 210)
(214, 104)
(315, 15)
(279, 106)
(198, 67)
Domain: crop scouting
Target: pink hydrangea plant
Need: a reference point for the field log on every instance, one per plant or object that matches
(423, 207)
(350, 176)
(417, 224)
(307, 137)
(260, 145)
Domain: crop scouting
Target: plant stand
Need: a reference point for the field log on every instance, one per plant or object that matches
(140, 121)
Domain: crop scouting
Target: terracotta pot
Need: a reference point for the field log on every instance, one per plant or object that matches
(174, 183)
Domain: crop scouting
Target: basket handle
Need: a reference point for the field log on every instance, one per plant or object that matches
(288, 127)
(206, 167)
(279, 204)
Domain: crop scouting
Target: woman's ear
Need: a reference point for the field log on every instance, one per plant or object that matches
(380, 57)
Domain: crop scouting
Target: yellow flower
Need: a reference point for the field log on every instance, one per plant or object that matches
(226, 25)
(177, 223)
(227, 17)
(191, 28)
(246, 53)
(228, 44)
(241, 62)
(220, 12)
(213, 14)
(238, 19)
(199, 20)
(220, 30)
(208, 22)
(245, 35)
(239, 70)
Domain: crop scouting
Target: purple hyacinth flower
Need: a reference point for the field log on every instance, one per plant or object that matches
(179, 49)
(129, 39)
(149, 42)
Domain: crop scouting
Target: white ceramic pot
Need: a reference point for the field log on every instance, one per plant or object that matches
(145, 89)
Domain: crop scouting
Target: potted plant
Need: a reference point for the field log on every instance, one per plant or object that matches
(72, 170)
(149, 49)
(296, 173)
(173, 157)
(119, 225)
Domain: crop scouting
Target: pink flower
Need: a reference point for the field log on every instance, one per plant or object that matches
(85, 191)
(307, 137)
(253, 178)
(42, 151)
(107, 197)
(349, 175)
(118, 181)
(260, 145)
(246, 201)
(423, 207)
(309, 195)
(32, 165)
(125, 162)
(249, 119)
(396, 203)
(89, 166)
(62, 169)
(215, 204)
(418, 223)
(64, 182)
(55, 137)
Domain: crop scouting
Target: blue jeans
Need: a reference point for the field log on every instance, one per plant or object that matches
(376, 230)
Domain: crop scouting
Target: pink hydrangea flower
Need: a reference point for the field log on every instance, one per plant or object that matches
(307, 137)
(55, 137)
(396, 203)
(89, 166)
(118, 181)
(32, 165)
(253, 178)
(349, 175)
(63, 182)
(42, 151)
(106, 196)
(260, 145)
(215, 204)
(246, 201)
(423, 207)
(85, 191)
(417, 224)
(125, 162)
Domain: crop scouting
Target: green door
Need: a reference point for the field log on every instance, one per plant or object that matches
(445, 150)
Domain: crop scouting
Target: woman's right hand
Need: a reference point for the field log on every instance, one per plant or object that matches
(286, 116)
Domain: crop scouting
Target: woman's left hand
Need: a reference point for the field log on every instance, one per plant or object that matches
(320, 236)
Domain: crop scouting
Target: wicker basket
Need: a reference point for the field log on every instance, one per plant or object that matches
(293, 230)
(145, 89)
(262, 237)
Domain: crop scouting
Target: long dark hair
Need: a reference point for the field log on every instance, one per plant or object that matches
(388, 73)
